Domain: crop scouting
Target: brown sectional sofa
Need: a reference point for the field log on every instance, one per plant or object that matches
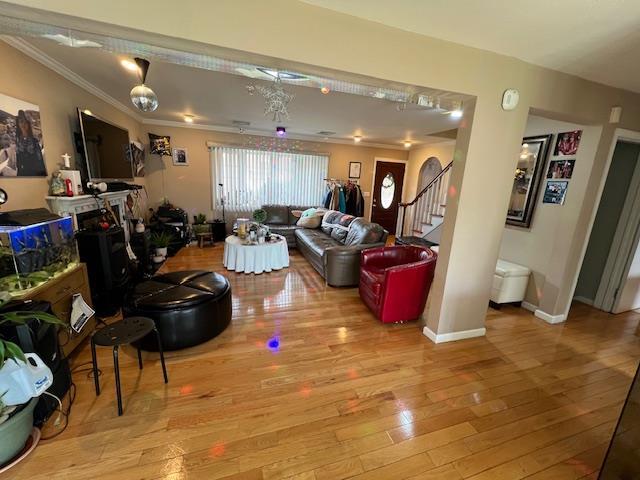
(281, 220)
(334, 248)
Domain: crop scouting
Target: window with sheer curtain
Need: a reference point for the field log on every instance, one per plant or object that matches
(251, 178)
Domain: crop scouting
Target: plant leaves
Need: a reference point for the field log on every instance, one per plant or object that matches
(14, 351)
(1, 355)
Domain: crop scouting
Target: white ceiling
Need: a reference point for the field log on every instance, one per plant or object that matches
(594, 39)
(216, 99)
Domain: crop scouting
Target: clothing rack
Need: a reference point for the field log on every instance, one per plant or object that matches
(341, 181)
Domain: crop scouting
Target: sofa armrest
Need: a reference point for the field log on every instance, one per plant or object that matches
(342, 264)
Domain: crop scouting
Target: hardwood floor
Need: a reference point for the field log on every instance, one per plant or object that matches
(305, 384)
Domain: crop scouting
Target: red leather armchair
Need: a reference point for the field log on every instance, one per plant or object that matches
(395, 281)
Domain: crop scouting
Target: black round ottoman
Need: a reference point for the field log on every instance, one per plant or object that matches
(188, 307)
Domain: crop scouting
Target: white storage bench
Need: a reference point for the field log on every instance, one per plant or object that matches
(509, 283)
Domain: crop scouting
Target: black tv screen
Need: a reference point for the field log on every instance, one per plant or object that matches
(106, 149)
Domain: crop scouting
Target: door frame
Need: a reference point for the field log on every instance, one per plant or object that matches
(620, 134)
(373, 184)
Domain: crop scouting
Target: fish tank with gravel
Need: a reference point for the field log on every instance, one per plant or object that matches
(30, 255)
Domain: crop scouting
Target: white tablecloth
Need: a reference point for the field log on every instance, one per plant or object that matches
(259, 258)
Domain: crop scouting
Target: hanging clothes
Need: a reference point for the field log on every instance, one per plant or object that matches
(335, 197)
(342, 204)
(359, 202)
(327, 198)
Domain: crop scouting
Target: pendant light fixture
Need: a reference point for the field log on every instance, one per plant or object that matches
(142, 96)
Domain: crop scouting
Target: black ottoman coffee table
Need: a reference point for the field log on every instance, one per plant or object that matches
(188, 307)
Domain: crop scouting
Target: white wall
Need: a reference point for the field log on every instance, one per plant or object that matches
(545, 245)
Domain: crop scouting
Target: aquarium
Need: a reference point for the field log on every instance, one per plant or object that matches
(31, 255)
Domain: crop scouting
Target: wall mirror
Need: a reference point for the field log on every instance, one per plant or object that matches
(526, 180)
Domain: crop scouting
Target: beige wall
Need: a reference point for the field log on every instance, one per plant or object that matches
(311, 39)
(190, 186)
(544, 246)
(58, 98)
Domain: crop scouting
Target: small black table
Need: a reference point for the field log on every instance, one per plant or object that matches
(119, 333)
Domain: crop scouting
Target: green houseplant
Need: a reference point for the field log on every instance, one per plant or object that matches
(160, 241)
(200, 224)
(259, 215)
(16, 422)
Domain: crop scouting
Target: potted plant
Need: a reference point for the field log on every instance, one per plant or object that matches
(16, 421)
(200, 224)
(260, 215)
(160, 241)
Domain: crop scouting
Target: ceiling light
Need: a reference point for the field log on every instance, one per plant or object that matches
(407, 144)
(129, 65)
(357, 138)
(324, 90)
(188, 118)
(87, 112)
(142, 96)
(456, 113)
(281, 131)
(69, 41)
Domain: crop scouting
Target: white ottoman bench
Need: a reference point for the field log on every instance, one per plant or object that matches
(509, 283)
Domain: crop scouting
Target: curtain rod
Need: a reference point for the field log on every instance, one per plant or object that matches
(210, 145)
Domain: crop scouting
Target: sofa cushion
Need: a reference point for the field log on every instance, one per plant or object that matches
(363, 232)
(292, 219)
(315, 240)
(277, 214)
(311, 221)
(339, 233)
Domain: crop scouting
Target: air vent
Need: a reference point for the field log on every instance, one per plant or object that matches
(326, 133)
(240, 123)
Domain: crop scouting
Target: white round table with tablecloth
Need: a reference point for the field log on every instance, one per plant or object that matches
(241, 256)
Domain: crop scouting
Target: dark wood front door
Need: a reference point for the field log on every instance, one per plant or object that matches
(387, 193)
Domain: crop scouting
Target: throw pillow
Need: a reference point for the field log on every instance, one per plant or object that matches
(312, 221)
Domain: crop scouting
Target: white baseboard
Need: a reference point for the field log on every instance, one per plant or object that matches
(453, 336)
(550, 318)
(529, 306)
(584, 300)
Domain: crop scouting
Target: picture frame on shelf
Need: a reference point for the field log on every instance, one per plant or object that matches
(180, 156)
(527, 178)
(355, 169)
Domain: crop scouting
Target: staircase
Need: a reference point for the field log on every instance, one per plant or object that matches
(428, 212)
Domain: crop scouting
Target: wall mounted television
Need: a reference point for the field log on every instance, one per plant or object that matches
(106, 148)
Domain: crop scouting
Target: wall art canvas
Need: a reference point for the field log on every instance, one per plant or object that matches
(560, 169)
(567, 143)
(180, 156)
(21, 144)
(160, 144)
(354, 169)
(555, 192)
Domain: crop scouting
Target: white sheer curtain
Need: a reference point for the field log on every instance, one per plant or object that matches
(252, 178)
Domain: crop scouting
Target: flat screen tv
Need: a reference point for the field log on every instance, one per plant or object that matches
(106, 148)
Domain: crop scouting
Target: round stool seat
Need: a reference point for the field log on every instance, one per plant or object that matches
(123, 332)
(187, 307)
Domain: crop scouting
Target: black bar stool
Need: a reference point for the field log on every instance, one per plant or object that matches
(119, 333)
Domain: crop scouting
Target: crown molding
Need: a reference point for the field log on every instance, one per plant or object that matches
(52, 64)
(265, 133)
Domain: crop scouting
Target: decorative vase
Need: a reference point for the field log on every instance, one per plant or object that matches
(158, 259)
(161, 251)
(140, 226)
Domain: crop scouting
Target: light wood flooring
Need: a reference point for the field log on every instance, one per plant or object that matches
(305, 384)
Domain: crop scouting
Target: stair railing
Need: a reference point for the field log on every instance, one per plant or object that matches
(429, 201)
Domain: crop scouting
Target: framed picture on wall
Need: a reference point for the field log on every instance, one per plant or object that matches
(526, 180)
(21, 144)
(560, 169)
(180, 156)
(555, 192)
(354, 169)
(567, 143)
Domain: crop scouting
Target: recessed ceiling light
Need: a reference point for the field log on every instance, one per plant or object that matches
(324, 90)
(87, 112)
(129, 65)
(188, 118)
(281, 131)
(407, 144)
(456, 113)
(357, 138)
